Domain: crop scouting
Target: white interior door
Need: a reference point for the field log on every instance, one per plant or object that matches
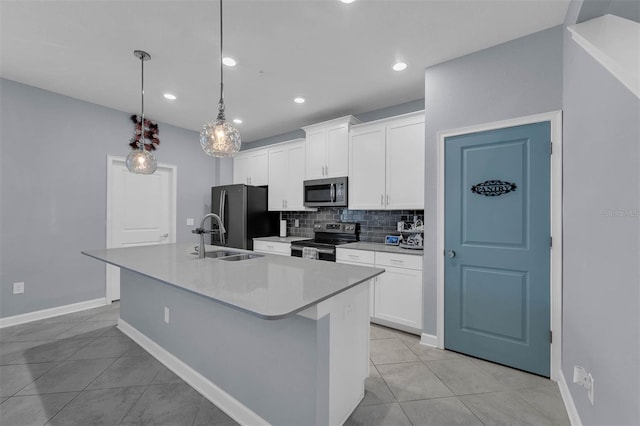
(141, 210)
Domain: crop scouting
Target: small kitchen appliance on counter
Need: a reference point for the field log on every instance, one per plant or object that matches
(327, 235)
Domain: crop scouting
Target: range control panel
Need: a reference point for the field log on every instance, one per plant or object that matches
(336, 227)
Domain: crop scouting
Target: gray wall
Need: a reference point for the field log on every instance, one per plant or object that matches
(53, 192)
(514, 79)
(601, 299)
(589, 9)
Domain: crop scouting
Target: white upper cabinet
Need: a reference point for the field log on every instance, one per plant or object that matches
(286, 174)
(367, 178)
(251, 167)
(327, 148)
(386, 170)
(405, 164)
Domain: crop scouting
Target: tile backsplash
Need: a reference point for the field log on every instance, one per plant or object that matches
(374, 224)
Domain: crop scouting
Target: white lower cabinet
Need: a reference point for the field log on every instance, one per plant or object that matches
(396, 295)
(269, 247)
(359, 258)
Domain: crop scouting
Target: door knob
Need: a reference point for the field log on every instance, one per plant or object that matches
(451, 253)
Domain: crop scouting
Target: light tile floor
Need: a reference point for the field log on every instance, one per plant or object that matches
(79, 369)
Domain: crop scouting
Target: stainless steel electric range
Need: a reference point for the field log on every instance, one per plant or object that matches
(327, 235)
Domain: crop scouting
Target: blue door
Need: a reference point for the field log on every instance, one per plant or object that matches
(497, 246)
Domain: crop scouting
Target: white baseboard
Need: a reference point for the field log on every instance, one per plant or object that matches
(572, 411)
(429, 340)
(231, 406)
(51, 312)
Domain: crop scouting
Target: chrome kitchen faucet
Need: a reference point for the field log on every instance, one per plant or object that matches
(202, 231)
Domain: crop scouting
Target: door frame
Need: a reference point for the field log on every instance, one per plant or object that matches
(112, 161)
(555, 118)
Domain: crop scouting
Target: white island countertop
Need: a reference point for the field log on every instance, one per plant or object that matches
(269, 286)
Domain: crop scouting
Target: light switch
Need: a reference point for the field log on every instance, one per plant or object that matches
(189, 221)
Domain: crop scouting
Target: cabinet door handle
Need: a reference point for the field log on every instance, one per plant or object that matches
(354, 256)
(387, 199)
(382, 199)
(397, 261)
(270, 247)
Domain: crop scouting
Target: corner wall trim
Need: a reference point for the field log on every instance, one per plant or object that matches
(614, 42)
(51, 312)
(572, 411)
(231, 406)
(429, 340)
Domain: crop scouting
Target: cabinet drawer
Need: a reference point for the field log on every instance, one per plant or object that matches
(351, 255)
(272, 247)
(399, 260)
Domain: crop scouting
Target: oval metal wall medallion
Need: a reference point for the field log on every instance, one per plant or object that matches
(493, 188)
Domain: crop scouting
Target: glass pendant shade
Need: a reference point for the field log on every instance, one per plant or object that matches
(141, 161)
(219, 138)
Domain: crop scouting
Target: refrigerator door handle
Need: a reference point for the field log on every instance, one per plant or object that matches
(223, 195)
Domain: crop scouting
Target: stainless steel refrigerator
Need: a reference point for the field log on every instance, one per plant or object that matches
(244, 213)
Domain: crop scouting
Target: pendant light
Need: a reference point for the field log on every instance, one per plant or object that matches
(219, 138)
(140, 160)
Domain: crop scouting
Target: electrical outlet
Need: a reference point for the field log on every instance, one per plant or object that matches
(579, 375)
(584, 379)
(166, 315)
(18, 288)
(347, 311)
(296, 223)
(189, 221)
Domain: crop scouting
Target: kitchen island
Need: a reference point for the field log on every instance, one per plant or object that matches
(270, 340)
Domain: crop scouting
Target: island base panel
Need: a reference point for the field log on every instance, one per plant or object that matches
(303, 369)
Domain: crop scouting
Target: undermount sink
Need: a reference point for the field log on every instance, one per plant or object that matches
(232, 256)
(242, 256)
(219, 253)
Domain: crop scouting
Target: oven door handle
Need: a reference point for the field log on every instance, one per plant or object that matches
(325, 251)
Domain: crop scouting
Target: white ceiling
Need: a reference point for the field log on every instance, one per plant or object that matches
(338, 56)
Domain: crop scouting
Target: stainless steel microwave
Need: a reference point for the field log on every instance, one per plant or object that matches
(330, 192)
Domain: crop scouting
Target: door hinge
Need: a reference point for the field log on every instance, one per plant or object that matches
(550, 336)
(550, 148)
(550, 241)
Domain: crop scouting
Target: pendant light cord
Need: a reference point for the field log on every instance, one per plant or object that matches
(221, 101)
(141, 142)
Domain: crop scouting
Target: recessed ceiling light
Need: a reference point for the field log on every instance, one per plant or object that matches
(169, 96)
(299, 100)
(347, 1)
(399, 66)
(228, 61)
(237, 121)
